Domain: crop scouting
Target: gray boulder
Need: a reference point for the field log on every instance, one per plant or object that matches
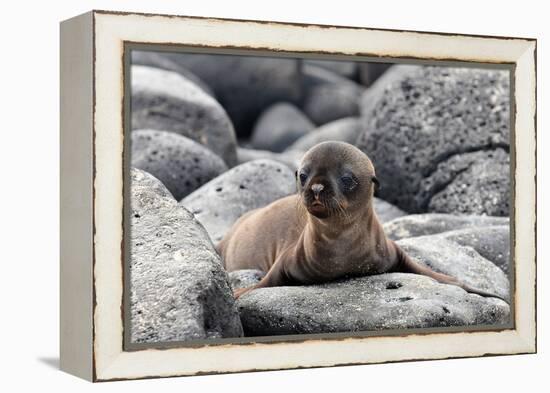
(313, 76)
(425, 123)
(165, 100)
(347, 69)
(344, 130)
(182, 164)
(463, 262)
(492, 243)
(431, 223)
(162, 60)
(327, 96)
(289, 158)
(179, 290)
(279, 126)
(245, 85)
(380, 302)
(386, 211)
(220, 202)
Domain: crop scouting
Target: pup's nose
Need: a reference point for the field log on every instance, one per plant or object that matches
(317, 188)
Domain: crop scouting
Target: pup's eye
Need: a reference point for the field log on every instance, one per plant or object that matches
(348, 182)
(303, 178)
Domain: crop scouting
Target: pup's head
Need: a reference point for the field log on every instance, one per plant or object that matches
(335, 179)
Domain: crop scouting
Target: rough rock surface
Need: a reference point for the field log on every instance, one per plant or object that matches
(492, 242)
(328, 96)
(470, 183)
(426, 121)
(161, 60)
(289, 158)
(279, 126)
(431, 223)
(462, 262)
(220, 202)
(179, 290)
(182, 164)
(386, 301)
(344, 130)
(386, 211)
(245, 85)
(167, 101)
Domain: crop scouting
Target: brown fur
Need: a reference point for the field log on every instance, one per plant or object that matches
(301, 239)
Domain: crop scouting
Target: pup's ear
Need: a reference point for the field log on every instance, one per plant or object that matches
(376, 182)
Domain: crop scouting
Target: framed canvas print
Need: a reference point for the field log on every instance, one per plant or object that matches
(246, 195)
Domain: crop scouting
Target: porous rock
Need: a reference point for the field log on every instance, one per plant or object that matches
(245, 85)
(167, 101)
(477, 183)
(431, 223)
(343, 130)
(421, 121)
(379, 302)
(279, 126)
(220, 202)
(182, 164)
(179, 289)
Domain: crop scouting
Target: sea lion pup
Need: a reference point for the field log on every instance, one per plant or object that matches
(326, 231)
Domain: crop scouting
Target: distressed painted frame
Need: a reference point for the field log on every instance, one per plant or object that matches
(92, 189)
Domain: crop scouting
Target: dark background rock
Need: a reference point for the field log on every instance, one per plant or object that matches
(167, 101)
(220, 202)
(344, 130)
(347, 69)
(245, 85)
(370, 72)
(179, 290)
(279, 126)
(431, 223)
(420, 117)
(160, 60)
(314, 76)
(385, 301)
(289, 158)
(463, 263)
(328, 96)
(331, 102)
(182, 164)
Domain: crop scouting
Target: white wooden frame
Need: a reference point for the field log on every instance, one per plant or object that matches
(92, 90)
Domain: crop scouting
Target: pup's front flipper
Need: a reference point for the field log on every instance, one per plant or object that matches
(273, 278)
